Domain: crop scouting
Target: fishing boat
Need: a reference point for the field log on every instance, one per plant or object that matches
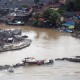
(15, 23)
(33, 61)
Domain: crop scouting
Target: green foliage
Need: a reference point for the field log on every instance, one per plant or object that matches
(51, 15)
(61, 11)
(36, 1)
(64, 7)
(77, 26)
(36, 21)
(70, 6)
(73, 5)
(55, 1)
(77, 5)
(37, 15)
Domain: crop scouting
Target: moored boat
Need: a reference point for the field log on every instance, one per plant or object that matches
(33, 61)
(15, 23)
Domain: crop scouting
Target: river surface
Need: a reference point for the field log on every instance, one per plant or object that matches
(46, 44)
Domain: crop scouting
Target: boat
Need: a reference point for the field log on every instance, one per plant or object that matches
(15, 23)
(33, 61)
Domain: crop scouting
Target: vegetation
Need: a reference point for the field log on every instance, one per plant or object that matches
(36, 17)
(51, 15)
(61, 10)
(70, 6)
(36, 1)
(77, 26)
(77, 5)
(52, 18)
(55, 1)
(73, 5)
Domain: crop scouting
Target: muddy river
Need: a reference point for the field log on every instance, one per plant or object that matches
(46, 44)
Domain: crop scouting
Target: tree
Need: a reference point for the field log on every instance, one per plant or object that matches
(52, 18)
(36, 21)
(51, 15)
(61, 11)
(36, 1)
(70, 6)
(77, 26)
(55, 1)
(77, 5)
(37, 15)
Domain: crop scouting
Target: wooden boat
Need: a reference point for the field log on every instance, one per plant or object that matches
(33, 61)
(15, 23)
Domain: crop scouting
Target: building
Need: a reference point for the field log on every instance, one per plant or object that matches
(18, 3)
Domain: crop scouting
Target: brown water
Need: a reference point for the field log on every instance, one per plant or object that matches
(46, 44)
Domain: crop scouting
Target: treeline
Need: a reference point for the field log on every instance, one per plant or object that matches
(73, 6)
(49, 18)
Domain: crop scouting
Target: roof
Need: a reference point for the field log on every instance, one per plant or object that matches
(69, 24)
(65, 24)
(41, 19)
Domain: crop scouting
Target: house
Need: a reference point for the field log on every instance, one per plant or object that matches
(17, 18)
(18, 3)
(55, 6)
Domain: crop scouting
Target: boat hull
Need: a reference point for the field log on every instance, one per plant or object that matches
(18, 24)
(40, 62)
